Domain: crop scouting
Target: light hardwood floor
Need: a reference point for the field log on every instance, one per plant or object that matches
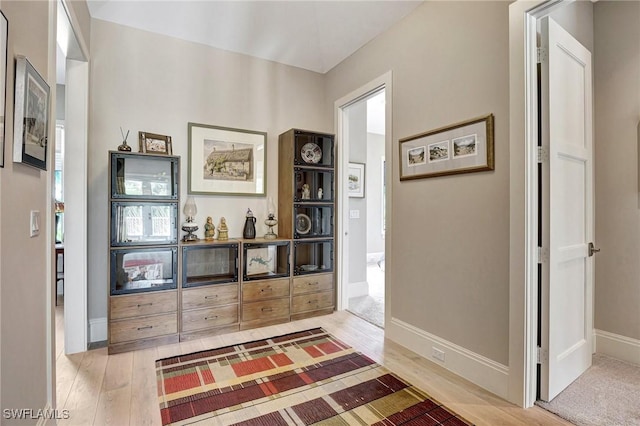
(120, 389)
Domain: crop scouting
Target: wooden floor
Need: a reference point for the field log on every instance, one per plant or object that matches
(120, 389)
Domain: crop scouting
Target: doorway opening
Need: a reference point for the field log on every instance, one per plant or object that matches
(363, 217)
(559, 340)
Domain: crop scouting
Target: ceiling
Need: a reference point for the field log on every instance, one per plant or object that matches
(314, 35)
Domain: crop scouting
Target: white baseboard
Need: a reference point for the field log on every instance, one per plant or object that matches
(617, 346)
(97, 330)
(476, 368)
(358, 289)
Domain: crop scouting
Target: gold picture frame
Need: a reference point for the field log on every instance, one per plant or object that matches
(463, 147)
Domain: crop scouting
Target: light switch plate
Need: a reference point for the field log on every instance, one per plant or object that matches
(354, 214)
(35, 223)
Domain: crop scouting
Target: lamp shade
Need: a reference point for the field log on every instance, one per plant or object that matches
(190, 208)
(271, 207)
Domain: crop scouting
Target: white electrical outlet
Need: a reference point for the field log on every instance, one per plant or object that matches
(354, 214)
(437, 354)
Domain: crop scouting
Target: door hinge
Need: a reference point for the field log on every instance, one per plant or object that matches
(541, 54)
(543, 255)
(542, 355)
(543, 154)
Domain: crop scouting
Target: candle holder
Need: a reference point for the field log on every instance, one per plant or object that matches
(189, 226)
(271, 221)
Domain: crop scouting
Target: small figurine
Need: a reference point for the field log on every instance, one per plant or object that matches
(306, 192)
(319, 193)
(223, 232)
(209, 229)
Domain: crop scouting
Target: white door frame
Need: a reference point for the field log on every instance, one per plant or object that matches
(75, 283)
(342, 213)
(523, 300)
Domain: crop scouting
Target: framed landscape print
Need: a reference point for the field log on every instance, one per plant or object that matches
(226, 161)
(31, 123)
(459, 148)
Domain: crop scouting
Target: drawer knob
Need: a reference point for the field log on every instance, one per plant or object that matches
(215, 296)
(211, 318)
(267, 289)
(312, 301)
(148, 327)
(140, 305)
(313, 283)
(267, 309)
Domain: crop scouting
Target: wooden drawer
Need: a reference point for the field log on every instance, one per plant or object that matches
(142, 328)
(212, 295)
(266, 310)
(209, 317)
(261, 290)
(136, 305)
(311, 283)
(311, 301)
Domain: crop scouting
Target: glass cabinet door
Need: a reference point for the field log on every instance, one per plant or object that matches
(313, 257)
(265, 260)
(313, 149)
(313, 185)
(144, 176)
(209, 264)
(143, 223)
(313, 221)
(139, 270)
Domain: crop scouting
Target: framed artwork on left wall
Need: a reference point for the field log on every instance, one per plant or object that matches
(31, 113)
(4, 33)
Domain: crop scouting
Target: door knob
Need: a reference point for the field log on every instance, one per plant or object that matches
(592, 249)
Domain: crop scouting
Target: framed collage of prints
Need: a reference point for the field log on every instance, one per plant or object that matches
(464, 147)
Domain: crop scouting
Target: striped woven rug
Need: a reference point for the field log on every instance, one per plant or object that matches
(303, 378)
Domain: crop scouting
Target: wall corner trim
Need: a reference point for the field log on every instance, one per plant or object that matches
(617, 346)
(97, 330)
(476, 368)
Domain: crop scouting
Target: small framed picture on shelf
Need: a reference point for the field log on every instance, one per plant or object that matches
(151, 143)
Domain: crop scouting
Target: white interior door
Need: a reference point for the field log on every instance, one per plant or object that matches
(567, 285)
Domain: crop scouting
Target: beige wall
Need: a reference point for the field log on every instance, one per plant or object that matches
(450, 234)
(147, 82)
(617, 116)
(23, 266)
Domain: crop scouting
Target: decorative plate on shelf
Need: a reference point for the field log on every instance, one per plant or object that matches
(303, 223)
(311, 153)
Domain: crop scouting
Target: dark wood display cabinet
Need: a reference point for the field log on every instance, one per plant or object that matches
(143, 250)
(306, 205)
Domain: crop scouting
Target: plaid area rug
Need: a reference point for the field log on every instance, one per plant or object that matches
(303, 378)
